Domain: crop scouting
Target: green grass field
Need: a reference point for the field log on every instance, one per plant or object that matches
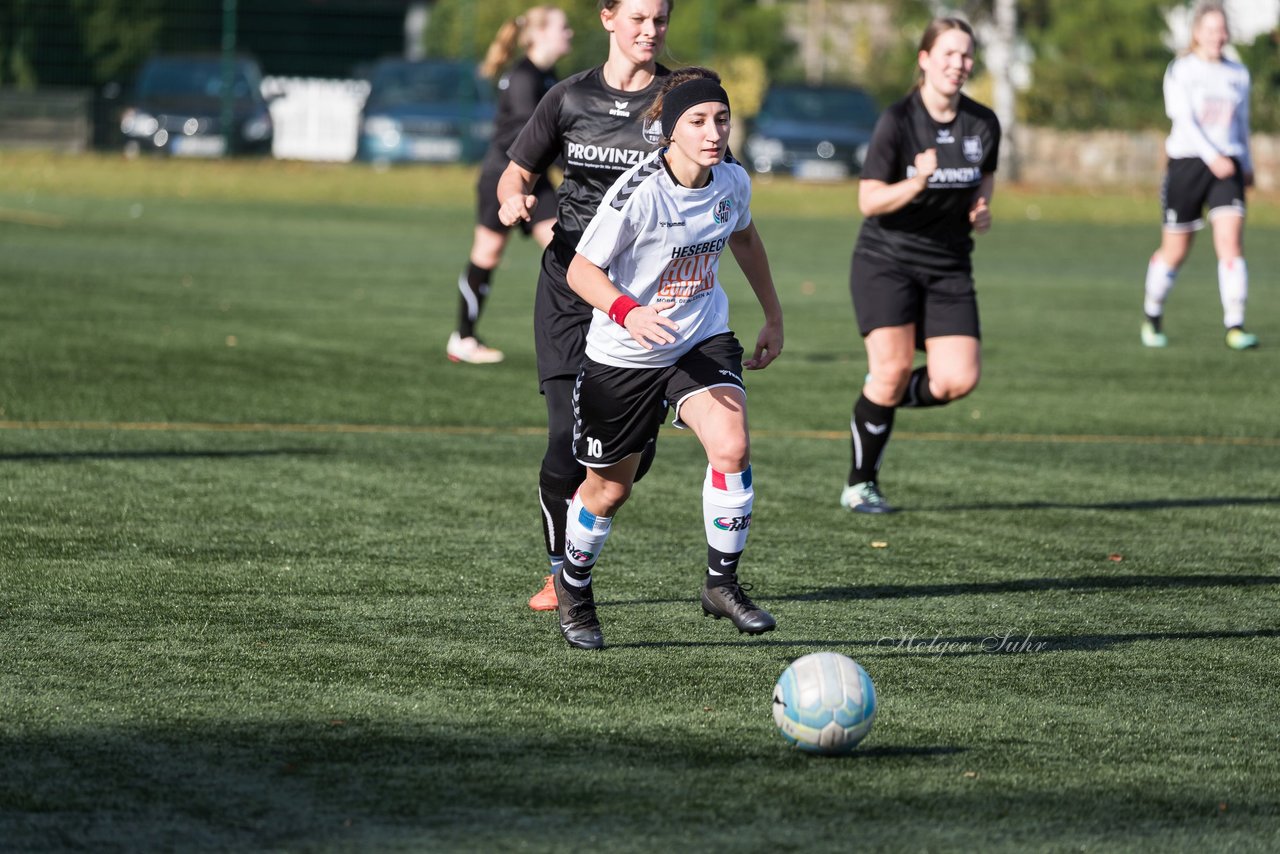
(264, 553)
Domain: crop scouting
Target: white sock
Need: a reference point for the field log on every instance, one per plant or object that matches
(1233, 287)
(584, 537)
(726, 509)
(1160, 279)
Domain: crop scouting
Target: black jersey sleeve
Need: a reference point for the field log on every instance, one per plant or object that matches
(884, 153)
(539, 142)
(524, 92)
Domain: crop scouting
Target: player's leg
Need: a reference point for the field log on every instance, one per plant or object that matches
(560, 322)
(1226, 216)
(1182, 196)
(890, 353)
(952, 369)
(473, 288)
(886, 301)
(618, 409)
(716, 411)
(590, 519)
(558, 479)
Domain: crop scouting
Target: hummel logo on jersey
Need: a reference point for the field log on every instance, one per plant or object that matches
(875, 429)
(620, 109)
(665, 224)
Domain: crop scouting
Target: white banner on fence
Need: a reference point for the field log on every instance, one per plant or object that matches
(315, 119)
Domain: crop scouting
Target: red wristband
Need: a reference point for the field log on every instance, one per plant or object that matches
(621, 307)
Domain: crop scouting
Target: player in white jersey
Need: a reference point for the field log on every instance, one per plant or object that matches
(659, 334)
(1207, 97)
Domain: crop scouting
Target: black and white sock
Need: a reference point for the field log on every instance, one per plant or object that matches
(473, 287)
(871, 427)
(584, 539)
(918, 393)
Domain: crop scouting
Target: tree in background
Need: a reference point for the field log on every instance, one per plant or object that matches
(1263, 59)
(1098, 63)
(746, 42)
(75, 42)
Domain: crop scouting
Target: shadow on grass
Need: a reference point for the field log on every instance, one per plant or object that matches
(79, 456)
(925, 645)
(1153, 504)
(421, 784)
(982, 588)
(1023, 585)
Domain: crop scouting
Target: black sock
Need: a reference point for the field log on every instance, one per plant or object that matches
(918, 393)
(1155, 321)
(722, 567)
(872, 424)
(473, 287)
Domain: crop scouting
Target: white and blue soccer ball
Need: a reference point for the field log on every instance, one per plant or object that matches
(824, 702)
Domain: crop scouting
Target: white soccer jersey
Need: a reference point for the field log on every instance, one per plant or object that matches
(1209, 105)
(661, 242)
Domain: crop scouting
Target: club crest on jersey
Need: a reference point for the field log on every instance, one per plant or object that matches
(620, 109)
(724, 208)
(652, 132)
(972, 148)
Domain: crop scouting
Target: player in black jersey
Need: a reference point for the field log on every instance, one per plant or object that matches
(926, 186)
(593, 121)
(543, 33)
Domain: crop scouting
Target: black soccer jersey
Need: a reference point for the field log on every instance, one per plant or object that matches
(600, 133)
(519, 92)
(932, 232)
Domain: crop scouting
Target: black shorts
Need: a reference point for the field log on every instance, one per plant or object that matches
(1189, 186)
(487, 204)
(560, 317)
(886, 293)
(620, 409)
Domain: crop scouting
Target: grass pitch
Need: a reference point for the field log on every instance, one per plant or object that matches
(264, 553)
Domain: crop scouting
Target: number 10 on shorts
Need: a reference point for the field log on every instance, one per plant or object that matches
(594, 448)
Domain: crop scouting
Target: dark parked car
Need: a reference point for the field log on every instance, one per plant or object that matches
(176, 108)
(429, 110)
(814, 132)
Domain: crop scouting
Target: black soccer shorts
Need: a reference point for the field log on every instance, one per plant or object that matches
(1189, 186)
(619, 410)
(886, 293)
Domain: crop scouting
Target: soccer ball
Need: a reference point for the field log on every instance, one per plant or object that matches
(824, 702)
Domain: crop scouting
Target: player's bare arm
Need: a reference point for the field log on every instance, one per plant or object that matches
(980, 213)
(876, 198)
(748, 250)
(513, 195)
(646, 326)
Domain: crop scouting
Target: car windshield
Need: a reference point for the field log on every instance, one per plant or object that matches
(422, 83)
(820, 105)
(201, 77)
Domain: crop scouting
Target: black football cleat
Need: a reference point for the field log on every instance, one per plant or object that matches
(578, 621)
(730, 600)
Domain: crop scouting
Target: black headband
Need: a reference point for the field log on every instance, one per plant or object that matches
(699, 90)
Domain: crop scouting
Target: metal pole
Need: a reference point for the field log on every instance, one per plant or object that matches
(228, 72)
